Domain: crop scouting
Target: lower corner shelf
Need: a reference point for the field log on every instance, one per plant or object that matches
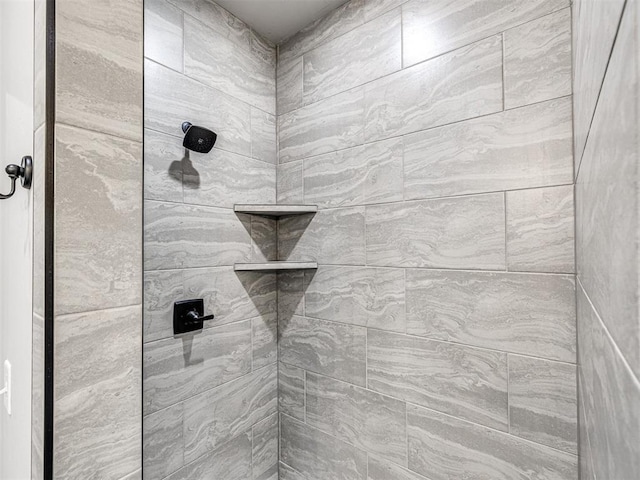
(274, 266)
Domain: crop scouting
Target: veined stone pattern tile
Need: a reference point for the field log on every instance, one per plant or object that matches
(265, 340)
(99, 225)
(264, 239)
(183, 236)
(595, 25)
(522, 148)
(383, 470)
(585, 457)
(370, 297)
(248, 77)
(370, 51)
(97, 399)
(291, 391)
(178, 368)
(328, 348)
(263, 136)
(542, 402)
(264, 49)
(290, 294)
(289, 183)
(232, 461)
(265, 448)
(611, 395)
(383, 177)
(337, 22)
(289, 85)
(322, 127)
(319, 456)
(170, 97)
(163, 451)
(463, 381)
(161, 289)
(99, 72)
(214, 417)
(461, 232)
(540, 230)
(164, 161)
(521, 313)
(431, 28)
(370, 421)
(537, 60)
(288, 473)
(607, 199)
(463, 84)
(375, 8)
(444, 447)
(163, 33)
(335, 236)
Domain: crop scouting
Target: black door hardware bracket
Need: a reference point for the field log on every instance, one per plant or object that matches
(24, 172)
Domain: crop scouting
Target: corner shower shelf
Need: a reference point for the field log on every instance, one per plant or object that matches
(276, 210)
(274, 266)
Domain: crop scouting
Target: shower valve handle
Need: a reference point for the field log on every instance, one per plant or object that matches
(195, 317)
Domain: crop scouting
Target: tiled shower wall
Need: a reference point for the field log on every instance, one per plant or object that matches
(607, 109)
(437, 338)
(210, 399)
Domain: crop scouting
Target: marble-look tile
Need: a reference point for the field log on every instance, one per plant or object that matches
(537, 60)
(263, 136)
(178, 368)
(540, 230)
(264, 239)
(247, 77)
(384, 470)
(522, 148)
(461, 232)
(184, 236)
(322, 127)
(328, 348)
(265, 448)
(370, 51)
(319, 456)
(337, 22)
(97, 410)
(334, 236)
(463, 84)
(223, 179)
(161, 289)
(99, 66)
(370, 297)
(443, 447)
(99, 225)
(290, 294)
(264, 340)
(171, 98)
(163, 444)
(462, 381)
(431, 28)
(264, 49)
(291, 389)
(136, 475)
(290, 183)
(375, 8)
(383, 176)
(585, 457)
(163, 34)
(214, 417)
(289, 85)
(611, 395)
(543, 402)
(607, 199)
(595, 26)
(231, 461)
(370, 421)
(288, 473)
(164, 160)
(521, 313)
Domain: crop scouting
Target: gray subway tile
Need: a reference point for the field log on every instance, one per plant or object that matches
(163, 33)
(163, 445)
(265, 448)
(455, 379)
(291, 391)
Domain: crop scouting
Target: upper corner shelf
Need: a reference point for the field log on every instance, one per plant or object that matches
(275, 266)
(276, 210)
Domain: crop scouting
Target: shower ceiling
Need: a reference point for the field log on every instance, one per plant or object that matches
(276, 20)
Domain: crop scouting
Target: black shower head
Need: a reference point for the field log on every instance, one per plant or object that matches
(198, 139)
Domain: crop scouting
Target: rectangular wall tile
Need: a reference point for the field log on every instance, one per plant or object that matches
(163, 34)
(288, 473)
(540, 230)
(265, 449)
(263, 136)
(289, 85)
(525, 147)
(432, 28)
(466, 382)
(164, 162)
(537, 60)
(163, 451)
(370, 421)
(462, 232)
(290, 294)
(214, 417)
(466, 450)
(291, 390)
(370, 51)
(178, 368)
(289, 181)
(370, 297)
(542, 402)
(521, 313)
(264, 340)
(463, 84)
(375, 8)
(161, 289)
(319, 456)
(329, 348)
(264, 238)
(383, 470)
